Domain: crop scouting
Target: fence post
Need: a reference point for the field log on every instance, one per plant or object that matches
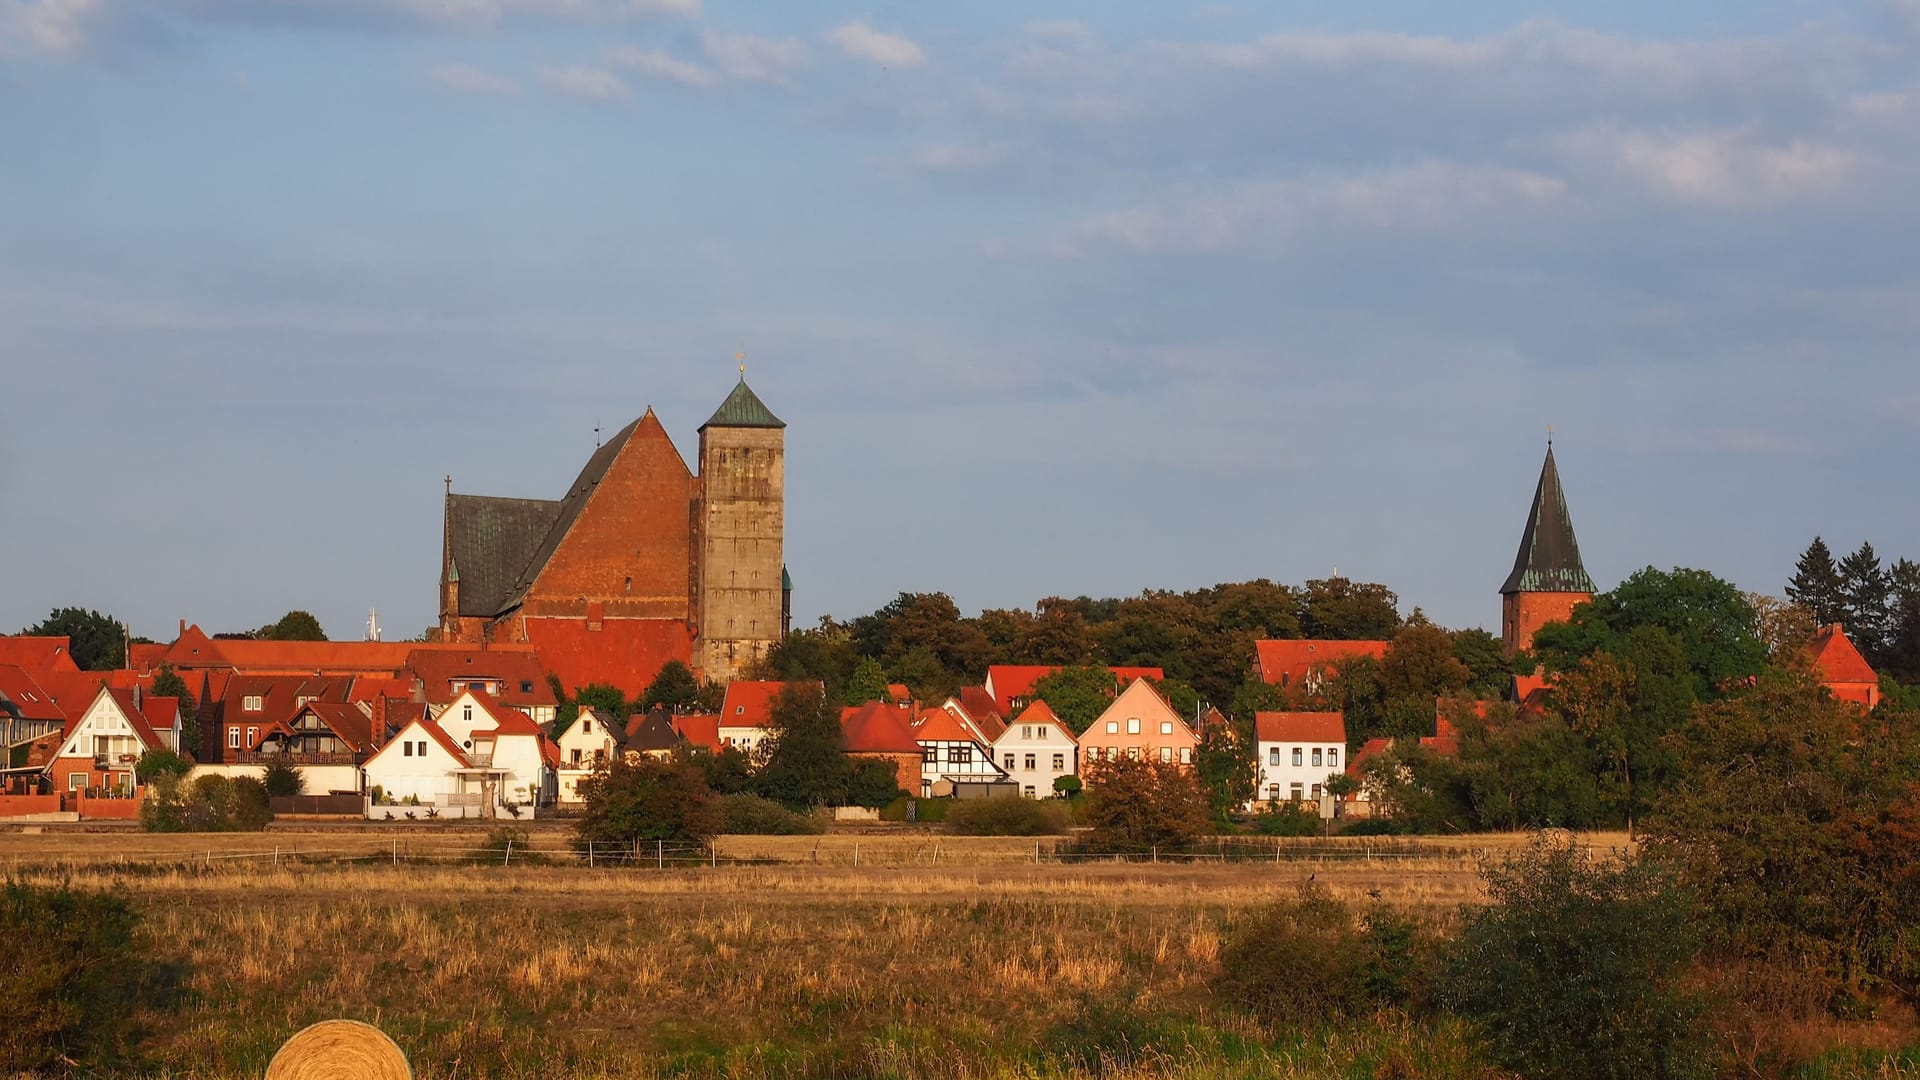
(856, 855)
(1276, 850)
(1156, 853)
(509, 855)
(396, 852)
(589, 854)
(659, 854)
(713, 852)
(1036, 853)
(276, 854)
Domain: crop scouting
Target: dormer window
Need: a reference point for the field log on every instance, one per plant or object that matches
(586, 726)
(251, 703)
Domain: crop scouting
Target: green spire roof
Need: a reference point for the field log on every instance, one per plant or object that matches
(786, 580)
(453, 572)
(1549, 559)
(743, 408)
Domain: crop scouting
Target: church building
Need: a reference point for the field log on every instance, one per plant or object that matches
(1548, 578)
(641, 561)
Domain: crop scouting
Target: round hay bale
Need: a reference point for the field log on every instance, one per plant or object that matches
(339, 1050)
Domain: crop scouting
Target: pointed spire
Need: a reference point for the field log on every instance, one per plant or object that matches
(744, 409)
(1549, 559)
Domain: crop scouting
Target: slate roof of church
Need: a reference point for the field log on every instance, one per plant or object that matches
(743, 408)
(492, 540)
(1549, 559)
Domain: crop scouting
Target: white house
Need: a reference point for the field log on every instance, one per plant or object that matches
(587, 744)
(102, 747)
(1297, 752)
(477, 758)
(746, 716)
(1036, 749)
(953, 751)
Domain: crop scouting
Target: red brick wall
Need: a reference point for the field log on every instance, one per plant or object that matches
(108, 809)
(630, 547)
(21, 805)
(1523, 614)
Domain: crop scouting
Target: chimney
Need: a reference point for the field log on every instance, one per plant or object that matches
(183, 630)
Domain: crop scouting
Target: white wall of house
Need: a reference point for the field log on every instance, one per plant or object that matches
(414, 764)
(586, 742)
(1035, 755)
(1297, 770)
(746, 737)
(104, 731)
(943, 759)
(526, 780)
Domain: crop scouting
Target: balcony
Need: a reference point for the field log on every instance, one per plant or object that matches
(293, 757)
(115, 761)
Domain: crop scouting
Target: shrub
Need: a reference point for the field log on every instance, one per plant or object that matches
(209, 804)
(504, 844)
(1287, 819)
(751, 815)
(282, 779)
(64, 987)
(1297, 962)
(1134, 805)
(925, 811)
(647, 800)
(1574, 969)
(156, 763)
(1007, 815)
(1102, 1036)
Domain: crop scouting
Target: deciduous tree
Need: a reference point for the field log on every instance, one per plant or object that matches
(293, 626)
(1078, 695)
(96, 642)
(674, 688)
(647, 801)
(1140, 804)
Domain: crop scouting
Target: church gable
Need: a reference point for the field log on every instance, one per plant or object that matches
(621, 539)
(489, 543)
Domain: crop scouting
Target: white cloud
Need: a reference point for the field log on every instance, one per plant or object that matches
(468, 79)
(589, 83)
(863, 42)
(957, 157)
(1725, 167)
(754, 59)
(659, 65)
(49, 26)
(1268, 214)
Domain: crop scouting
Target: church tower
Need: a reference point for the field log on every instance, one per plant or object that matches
(738, 534)
(1548, 578)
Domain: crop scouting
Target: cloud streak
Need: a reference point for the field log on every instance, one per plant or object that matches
(586, 83)
(862, 42)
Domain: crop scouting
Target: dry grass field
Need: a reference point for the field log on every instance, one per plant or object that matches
(981, 966)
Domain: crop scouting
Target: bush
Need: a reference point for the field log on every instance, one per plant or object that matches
(1287, 819)
(155, 763)
(1007, 815)
(1297, 962)
(64, 989)
(282, 779)
(1101, 1037)
(1574, 969)
(647, 800)
(505, 844)
(925, 811)
(1134, 805)
(208, 804)
(751, 815)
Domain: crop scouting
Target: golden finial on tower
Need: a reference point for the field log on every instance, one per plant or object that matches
(742, 357)
(1549, 436)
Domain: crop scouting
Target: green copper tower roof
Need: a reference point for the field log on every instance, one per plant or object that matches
(743, 408)
(1549, 559)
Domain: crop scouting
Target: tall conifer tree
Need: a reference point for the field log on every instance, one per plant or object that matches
(1816, 584)
(1864, 586)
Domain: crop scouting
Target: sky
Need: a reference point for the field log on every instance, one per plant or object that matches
(1056, 298)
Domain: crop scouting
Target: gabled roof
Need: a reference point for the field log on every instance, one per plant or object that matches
(37, 653)
(879, 727)
(1300, 727)
(428, 726)
(898, 691)
(978, 702)
(700, 730)
(1288, 662)
(943, 725)
(349, 723)
(652, 731)
(750, 704)
(1836, 659)
(627, 653)
(1549, 558)
(1038, 714)
(506, 719)
(160, 713)
(1141, 699)
(443, 673)
(744, 409)
(123, 700)
(23, 696)
(490, 540)
(1007, 683)
(1372, 748)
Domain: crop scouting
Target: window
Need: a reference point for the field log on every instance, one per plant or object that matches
(929, 755)
(576, 757)
(233, 738)
(1333, 757)
(960, 755)
(1316, 755)
(1273, 792)
(1030, 762)
(300, 702)
(1029, 790)
(1113, 727)
(1166, 727)
(1026, 731)
(253, 737)
(1186, 755)
(1273, 755)
(420, 748)
(406, 748)
(1166, 755)
(466, 713)
(586, 726)
(1316, 793)
(78, 781)
(526, 686)
(1009, 761)
(1133, 725)
(1296, 793)
(739, 710)
(1133, 753)
(1059, 762)
(1297, 755)
(250, 703)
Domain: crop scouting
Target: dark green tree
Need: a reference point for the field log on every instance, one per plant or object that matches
(168, 683)
(96, 642)
(283, 779)
(807, 764)
(728, 770)
(1078, 695)
(1136, 805)
(1224, 762)
(293, 626)
(1338, 609)
(1489, 669)
(607, 702)
(163, 762)
(1866, 589)
(1816, 584)
(869, 683)
(1714, 623)
(647, 801)
(674, 688)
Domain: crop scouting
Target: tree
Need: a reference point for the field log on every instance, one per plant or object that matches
(673, 688)
(167, 683)
(96, 642)
(1713, 622)
(1140, 804)
(869, 683)
(1489, 669)
(872, 783)
(1865, 590)
(1785, 627)
(1816, 584)
(1420, 664)
(1226, 765)
(283, 779)
(609, 703)
(1337, 609)
(807, 765)
(162, 762)
(1576, 969)
(293, 626)
(647, 800)
(728, 770)
(1078, 695)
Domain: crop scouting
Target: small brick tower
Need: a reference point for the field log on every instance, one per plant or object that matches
(1548, 578)
(741, 523)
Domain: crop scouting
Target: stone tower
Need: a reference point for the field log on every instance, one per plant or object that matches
(1547, 579)
(741, 520)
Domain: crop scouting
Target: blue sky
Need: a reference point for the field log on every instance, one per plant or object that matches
(1056, 299)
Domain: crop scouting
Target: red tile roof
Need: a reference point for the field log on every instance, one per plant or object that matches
(898, 691)
(626, 653)
(1300, 727)
(194, 650)
(30, 699)
(1525, 686)
(161, 713)
(123, 699)
(1288, 662)
(978, 703)
(1040, 713)
(143, 657)
(701, 730)
(879, 727)
(1837, 660)
(1372, 748)
(354, 727)
(370, 688)
(443, 673)
(1010, 682)
(37, 653)
(750, 704)
(947, 725)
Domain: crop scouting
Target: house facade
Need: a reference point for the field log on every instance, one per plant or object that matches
(476, 758)
(1139, 725)
(1036, 750)
(104, 744)
(1297, 752)
(585, 747)
(954, 752)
